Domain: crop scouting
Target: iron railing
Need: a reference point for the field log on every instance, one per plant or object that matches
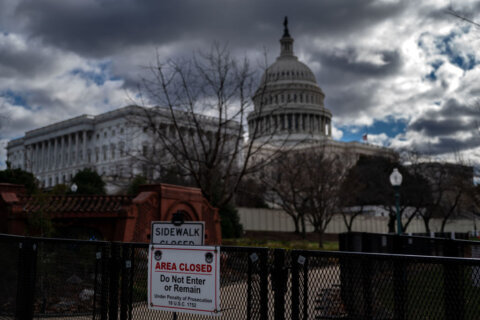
(57, 278)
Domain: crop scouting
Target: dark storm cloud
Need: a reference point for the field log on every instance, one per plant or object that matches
(436, 127)
(98, 28)
(339, 63)
(343, 77)
(348, 102)
(445, 145)
(22, 62)
(453, 118)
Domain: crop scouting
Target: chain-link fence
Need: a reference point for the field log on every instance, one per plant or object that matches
(408, 244)
(70, 279)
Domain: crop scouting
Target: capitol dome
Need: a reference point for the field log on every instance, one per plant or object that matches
(289, 104)
(290, 69)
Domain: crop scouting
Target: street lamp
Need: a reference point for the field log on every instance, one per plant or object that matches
(396, 181)
(74, 188)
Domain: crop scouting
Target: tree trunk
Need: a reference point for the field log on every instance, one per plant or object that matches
(347, 223)
(426, 222)
(296, 224)
(320, 239)
(304, 231)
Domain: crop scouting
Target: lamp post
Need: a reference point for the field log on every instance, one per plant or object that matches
(396, 181)
(74, 188)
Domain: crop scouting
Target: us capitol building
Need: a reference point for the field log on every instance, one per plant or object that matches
(290, 114)
(289, 111)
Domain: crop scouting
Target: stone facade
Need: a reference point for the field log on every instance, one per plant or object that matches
(116, 144)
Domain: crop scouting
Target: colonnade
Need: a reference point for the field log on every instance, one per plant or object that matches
(292, 122)
(57, 152)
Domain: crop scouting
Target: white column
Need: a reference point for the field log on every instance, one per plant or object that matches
(62, 153)
(42, 156)
(30, 157)
(84, 152)
(69, 148)
(37, 156)
(76, 160)
(48, 154)
(55, 153)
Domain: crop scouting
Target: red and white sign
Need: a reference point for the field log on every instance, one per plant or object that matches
(184, 279)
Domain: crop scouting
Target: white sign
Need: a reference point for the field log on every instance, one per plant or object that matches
(184, 279)
(188, 233)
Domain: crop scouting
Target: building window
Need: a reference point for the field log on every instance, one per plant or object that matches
(121, 147)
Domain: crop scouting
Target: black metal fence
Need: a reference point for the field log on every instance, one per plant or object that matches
(48, 278)
(409, 244)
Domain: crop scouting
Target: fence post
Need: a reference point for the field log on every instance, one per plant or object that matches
(27, 263)
(249, 287)
(346, 285)
(105, 261)
(115, 268)
(367, 272)
(264, 284)
(295, 287)
(453, 286)
(98, 263)
(305, 289)
(279, 281)
(124, 292)
(399, 288)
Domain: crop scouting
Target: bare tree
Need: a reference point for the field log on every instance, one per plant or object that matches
(306, 184)
(354, 196)
(198, 124)
(447, 191)
(462, 17)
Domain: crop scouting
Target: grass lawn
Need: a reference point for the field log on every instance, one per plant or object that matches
(296, 244)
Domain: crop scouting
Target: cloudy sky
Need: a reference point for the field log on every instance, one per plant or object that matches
(406, 72)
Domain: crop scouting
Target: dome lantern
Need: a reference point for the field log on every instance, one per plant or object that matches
(286, 43)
